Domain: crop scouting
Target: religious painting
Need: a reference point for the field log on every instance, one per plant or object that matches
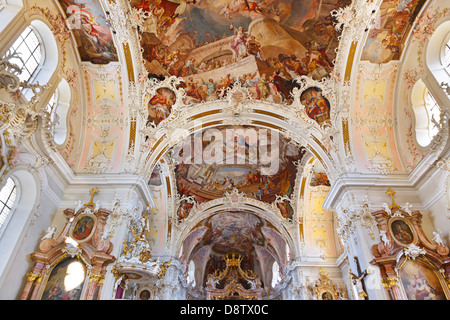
(327, 296)
(392, 25)
(286, 209)
(144, 295)
(91, 31)
(155, 178)
(402, 232)
(317, 106)
(84, 227)
(421, 282)
(319, 179)
(184, 209)
(240, 230)
(257, 162)
(160, 105)
(66, 281)
(264, 45)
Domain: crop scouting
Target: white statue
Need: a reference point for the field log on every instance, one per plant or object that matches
(97, 206)
(407, 208)
(79, 205)
(50, 232)
(386, 208)
(384, 238)
(437, 238)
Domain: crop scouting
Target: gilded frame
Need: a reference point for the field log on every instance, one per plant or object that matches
(425, 263)
(401, 236)
(75, 232)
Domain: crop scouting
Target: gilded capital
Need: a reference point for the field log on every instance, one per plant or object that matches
(31, 277)
(95, 277)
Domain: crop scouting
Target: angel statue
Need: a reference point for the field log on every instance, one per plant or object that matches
(437, 238)
(384, 238)
(407, 208)
(386, 208)
(50, 232)
(79, 205)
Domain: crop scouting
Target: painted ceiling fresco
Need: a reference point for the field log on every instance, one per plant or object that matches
(394, 21)
(92, 34)
(261, 166)
(263, 44)
(241, 231)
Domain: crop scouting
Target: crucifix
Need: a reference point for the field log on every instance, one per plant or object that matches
(391, 193)
(358, 281)
(92, 192)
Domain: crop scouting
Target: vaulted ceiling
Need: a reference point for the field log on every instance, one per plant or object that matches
(322, 77)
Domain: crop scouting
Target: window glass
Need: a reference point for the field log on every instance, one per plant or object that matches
(7, 199)
(447, 57)
(434, 115)
(28, 47)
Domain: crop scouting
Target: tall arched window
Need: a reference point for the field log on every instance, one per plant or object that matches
(7, 199)
(30, 56)
(446, 57)
(191, 273)
(438, 54)
(38, 51)
(427, 113)
(58, 107)
(275, 274)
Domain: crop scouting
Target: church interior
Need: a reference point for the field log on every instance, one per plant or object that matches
(224, 150)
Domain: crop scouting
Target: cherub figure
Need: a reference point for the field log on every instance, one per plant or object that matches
(50, 232)
(437, 238)
(384, 238)
(386, 208)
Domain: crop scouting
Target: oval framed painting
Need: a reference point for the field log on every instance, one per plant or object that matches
(83, 227)
(402, 231)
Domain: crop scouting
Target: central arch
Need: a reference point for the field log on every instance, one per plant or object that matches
(235, 222)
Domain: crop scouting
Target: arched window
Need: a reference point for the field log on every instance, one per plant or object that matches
(438, 54)
(7, 200)
(58, 107)
(427, 113)
(446, 57)
(30, 56)
(36, 46)
(275, 274)
(433, 114)
(191, 273)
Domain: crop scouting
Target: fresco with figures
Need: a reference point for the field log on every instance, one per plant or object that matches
(91, 31)
(241, 231)
(262, 44)
(392, 25)
(259, 167)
